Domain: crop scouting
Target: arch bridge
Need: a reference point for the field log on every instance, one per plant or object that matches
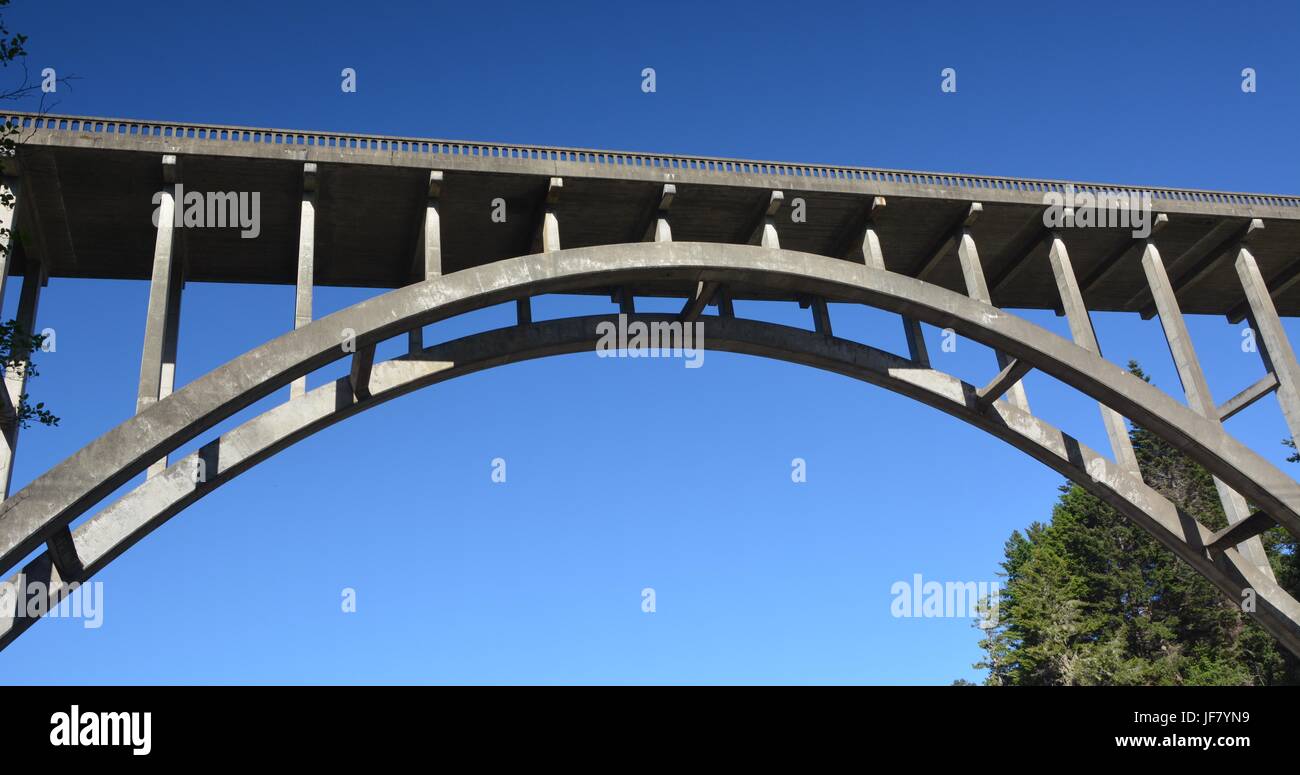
(449, 227)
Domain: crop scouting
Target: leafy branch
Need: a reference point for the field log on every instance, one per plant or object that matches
(16, 342)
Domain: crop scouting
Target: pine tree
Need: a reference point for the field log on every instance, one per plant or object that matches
(1091, 598)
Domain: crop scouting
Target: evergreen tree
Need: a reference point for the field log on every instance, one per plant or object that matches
(1091, 598)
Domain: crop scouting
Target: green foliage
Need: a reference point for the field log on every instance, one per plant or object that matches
(1091, 598)
(16, 346)
(16, 343)
(11, 45)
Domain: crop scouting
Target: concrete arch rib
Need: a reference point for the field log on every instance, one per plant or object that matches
(118, 527)
(69, 489)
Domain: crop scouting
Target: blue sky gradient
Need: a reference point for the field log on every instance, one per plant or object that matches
(627, 473)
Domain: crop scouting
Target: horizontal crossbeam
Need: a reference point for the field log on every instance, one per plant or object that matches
(1266, 384)
(1012, 373)
(1230, 536)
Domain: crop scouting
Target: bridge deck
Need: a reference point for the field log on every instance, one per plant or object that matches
(91, 182)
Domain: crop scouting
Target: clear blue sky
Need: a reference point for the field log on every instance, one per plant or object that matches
(637, 473)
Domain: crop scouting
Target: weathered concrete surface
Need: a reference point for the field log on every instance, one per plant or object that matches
(1273, 343)
(15, 379)
(306, 279)
(366, 210)
(977, 288)
(162, 320)
(373, 195)
(118, 527)
(1080, 320)
(1197, 390)
(75, 485)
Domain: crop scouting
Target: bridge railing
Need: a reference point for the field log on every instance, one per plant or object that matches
(434, 147)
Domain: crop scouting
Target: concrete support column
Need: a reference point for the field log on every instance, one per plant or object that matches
(550, 227)
(977, 288)
(1271, 339)
(874, 256)
(8, 221)
(723, 299)
(306, 263)
(15, 379)
(705, 291)
(9, 187)
(1081, 330)
(626, 301)
(765, 232)
(1196, 389)
(428, 249)
(62, 551)
(158, 361)
(659, 230)
(916, 349)
(821, 317)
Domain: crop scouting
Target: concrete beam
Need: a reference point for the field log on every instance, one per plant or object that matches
(1245, 530)
(428, 247)
(158, 360)
(1280, 284)
(915, 337)
(363, 362)
(63, 552)
(9, 203)
(1009, 377)
(1102, 270)
(1085, 336)
(930, 259)
(427, 259)
(1202, 258)
(723, 299)
(15, 379)
(10, 192)
(873, 256)
(625, 299)
(30, 221)
(1016, 259)
(1265, 385)
(821, 317)
(1196, 389)
(973, 273)
(1272, 342)
(703, 296)
(306, 262)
